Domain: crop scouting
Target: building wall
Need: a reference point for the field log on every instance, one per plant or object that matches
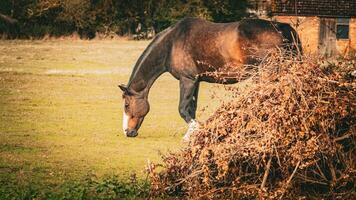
(308, 31)
(353, 36)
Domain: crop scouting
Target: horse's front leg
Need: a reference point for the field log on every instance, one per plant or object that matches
(188, 103)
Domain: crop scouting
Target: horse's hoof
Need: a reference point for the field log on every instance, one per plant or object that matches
(186, 137)
(192, 127)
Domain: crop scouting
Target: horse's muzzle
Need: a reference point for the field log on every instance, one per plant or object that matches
(131, 133)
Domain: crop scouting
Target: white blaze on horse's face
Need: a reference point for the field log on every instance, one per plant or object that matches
(125, 122)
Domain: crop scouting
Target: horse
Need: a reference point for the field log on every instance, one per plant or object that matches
(191, 51)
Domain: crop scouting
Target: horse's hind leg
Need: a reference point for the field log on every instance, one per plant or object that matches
(188, 103)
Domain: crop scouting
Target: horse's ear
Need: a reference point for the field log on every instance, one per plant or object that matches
(128, 91)
(124, 88)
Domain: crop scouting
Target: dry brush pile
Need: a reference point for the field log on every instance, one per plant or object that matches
(289, 134)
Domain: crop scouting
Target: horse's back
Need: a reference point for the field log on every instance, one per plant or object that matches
(207, 46)
(194, 28)
(206, 37)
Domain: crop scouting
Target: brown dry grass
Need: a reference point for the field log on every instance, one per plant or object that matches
(290, 134)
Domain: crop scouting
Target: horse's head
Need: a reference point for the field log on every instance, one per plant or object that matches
(136, 108)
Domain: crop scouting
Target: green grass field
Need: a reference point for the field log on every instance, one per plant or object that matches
(61, 113)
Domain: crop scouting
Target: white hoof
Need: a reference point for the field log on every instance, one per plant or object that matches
(192, 127)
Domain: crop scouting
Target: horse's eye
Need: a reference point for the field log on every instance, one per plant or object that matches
(126, 105)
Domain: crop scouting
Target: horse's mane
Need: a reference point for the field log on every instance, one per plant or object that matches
(156, 40)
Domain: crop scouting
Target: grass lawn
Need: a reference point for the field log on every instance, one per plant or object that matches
(61, 113)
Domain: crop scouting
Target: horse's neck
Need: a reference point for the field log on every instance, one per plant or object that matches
(144, 78)
(151, 64)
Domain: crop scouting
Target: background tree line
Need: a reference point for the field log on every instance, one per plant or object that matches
(37, 18)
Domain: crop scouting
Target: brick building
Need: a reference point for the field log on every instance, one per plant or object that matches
(326, 27)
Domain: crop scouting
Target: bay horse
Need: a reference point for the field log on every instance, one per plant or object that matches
(191, 50)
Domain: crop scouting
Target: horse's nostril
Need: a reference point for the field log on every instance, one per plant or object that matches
(131, 133)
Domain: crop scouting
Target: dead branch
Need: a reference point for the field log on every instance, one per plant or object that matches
(289, 180)
(265, 176)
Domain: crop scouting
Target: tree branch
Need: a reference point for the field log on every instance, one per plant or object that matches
(265, 176)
